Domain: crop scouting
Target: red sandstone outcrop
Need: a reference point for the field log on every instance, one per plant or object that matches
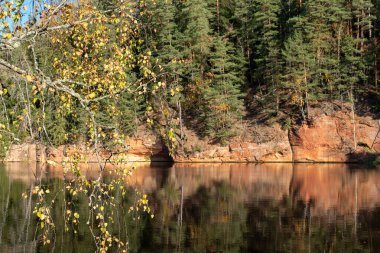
(25, 153)
(332, 136)
(272, 146)
(144, 147)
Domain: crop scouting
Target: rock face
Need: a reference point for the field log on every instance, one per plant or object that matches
(274, 149)
(147, 149)
(330, 137)
(139, 150)
(144, 147)
(26, 153)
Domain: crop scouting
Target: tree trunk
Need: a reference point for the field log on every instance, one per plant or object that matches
(362, 35)
(180, 122)
(306, 89)
(217, 16)
(353, 117)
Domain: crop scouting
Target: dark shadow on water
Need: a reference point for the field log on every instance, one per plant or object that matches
(365, 160)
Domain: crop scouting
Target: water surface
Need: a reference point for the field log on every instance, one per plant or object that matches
(213, 208)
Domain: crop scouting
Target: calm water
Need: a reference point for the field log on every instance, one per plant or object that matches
(224, 208)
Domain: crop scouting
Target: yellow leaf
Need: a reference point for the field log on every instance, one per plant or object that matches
(92, 95)
(7, 35)
(29, 78)
(76, 215)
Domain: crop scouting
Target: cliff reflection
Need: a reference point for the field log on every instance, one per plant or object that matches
(219, 208)
(332, 188)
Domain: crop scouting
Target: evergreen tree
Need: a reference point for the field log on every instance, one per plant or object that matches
(319, 36)
(297, 79)
(363, 20)
(222, 12)
(376, 45)
(224, 106)
(267, 51)
(166, 37)
(131, 111)
(321, 24)
(242, 33)
(166, 42)
(352, 66)
(197, 36)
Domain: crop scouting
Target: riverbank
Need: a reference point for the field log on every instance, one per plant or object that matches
(331, 136)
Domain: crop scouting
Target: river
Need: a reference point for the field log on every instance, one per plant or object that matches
(212, 208)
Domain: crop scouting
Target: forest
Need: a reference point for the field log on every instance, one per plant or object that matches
(95, 71)
(83, 76)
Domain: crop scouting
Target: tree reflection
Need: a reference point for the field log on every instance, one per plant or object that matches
(16, 227)
(206, 214)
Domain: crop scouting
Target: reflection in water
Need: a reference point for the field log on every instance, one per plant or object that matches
(214, 208)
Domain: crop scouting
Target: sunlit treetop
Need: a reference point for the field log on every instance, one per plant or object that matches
(100, 51)
(96, 49)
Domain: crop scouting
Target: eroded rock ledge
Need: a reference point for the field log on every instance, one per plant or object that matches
(331, 136)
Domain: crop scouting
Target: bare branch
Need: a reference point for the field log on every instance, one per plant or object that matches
(12, 67)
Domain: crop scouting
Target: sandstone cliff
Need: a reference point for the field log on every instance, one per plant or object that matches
(331, 136)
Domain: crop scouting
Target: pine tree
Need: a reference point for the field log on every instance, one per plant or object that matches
(376, 45)
(131, 111)
(319, 37)
(297, 79)
(197, 36)
(242, 33)
(363, 20)
(166, 42)
(352, 66)
(267, 51)
(222, 11)
(322, 24)
(224, 106)
(166, 37)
